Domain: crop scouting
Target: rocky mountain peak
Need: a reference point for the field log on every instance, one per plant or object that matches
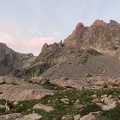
(2, 45)
(100, 36)
(44, 47)
(71, 41)
(80, 24)
(79, 27)
(113, 22)
(4, 48)
(99, 22)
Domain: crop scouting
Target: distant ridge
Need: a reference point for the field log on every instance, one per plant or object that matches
(11, 60)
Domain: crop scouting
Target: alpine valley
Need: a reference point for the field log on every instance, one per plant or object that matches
(75, 79)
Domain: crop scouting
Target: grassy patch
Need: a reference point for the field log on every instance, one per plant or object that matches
(84, 59)
(93, 52)
(48, 85)
(26, 106)
(115, 92)
(90, 108)
(100, 117)
(2, 110)
(89, 53)
(113, 114)
(62, 108)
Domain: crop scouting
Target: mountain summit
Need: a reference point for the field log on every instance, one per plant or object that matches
(101, 36)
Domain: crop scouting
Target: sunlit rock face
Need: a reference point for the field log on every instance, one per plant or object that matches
(74, 40)
(104, 37)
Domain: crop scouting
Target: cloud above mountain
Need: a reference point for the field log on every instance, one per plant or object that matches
(13, 36)
(24, 24)
(33, 45)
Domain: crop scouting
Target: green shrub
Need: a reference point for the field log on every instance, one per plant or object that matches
(113, 114)
(93, 52)
(89, 53)
(100, 117)
(49, 85)
(2, 111)
(89, 108)
(84, 59)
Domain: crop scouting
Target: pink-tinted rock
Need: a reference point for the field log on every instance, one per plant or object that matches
(25, 91)
(98, 22)
(44, 107)
(96, 100)
(90, 116)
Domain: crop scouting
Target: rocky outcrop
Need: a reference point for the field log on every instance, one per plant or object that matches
(43, 107)
(106, 102)
(93, 82)
(49, 56)
(67, 117)
(10, 116)
(33, 116)
(11, 60)
(25, 91)
(78, 84)
(90, 116)
(75, 39)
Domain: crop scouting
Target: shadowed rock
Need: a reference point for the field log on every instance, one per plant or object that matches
(11, 60)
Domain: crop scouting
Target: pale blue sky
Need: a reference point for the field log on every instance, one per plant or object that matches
(25, 25)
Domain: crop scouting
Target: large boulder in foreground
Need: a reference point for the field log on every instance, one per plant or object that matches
(26, 91)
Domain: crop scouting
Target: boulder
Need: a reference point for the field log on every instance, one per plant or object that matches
(94, 96)
(77, 117)
(90, 116)
(96, 100)
(33, 116)
(65, 100)
(10, 116)
(67, 117)
(109, 106)
(26, 91)
(39, 80)
(108, 101)
(44, 107)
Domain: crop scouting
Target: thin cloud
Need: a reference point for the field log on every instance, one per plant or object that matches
(6, 37)
(33, 45)
(13, 36)
(36, 43)
(55, 33)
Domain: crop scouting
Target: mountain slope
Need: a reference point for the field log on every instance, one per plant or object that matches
(11, 60)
